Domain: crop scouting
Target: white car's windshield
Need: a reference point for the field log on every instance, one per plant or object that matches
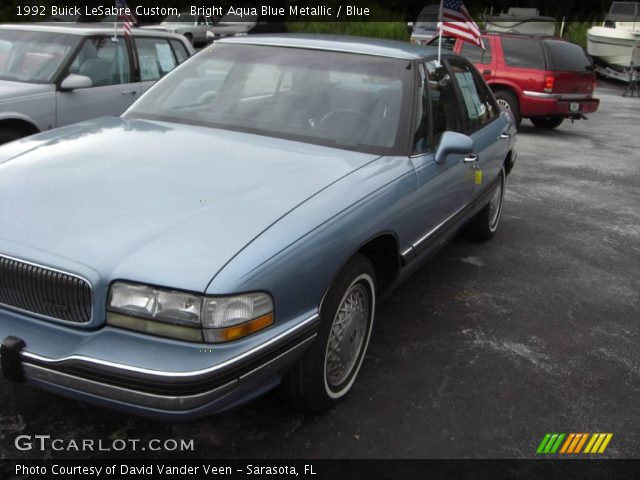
(337, 99)
(33, 57)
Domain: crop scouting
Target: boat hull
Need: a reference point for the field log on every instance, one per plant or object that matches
(613, 46)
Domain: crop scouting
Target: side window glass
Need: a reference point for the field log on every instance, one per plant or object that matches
(105, 62)
(478, 104)
(475, 54)
(179, 50)
(444, 101)
(155, 57)
(522, 52)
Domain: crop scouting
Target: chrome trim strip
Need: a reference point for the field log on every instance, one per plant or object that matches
(431, 232)
(161, 373)
(46, 317)
(559, 96)
(125, 395)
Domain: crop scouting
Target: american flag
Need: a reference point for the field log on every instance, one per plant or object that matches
(456, 22)
(128, 20)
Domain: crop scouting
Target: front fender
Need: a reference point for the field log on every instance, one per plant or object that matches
(297, 258)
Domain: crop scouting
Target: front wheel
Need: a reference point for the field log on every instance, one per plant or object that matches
(485, 223)
(329, 368)
(548, 123)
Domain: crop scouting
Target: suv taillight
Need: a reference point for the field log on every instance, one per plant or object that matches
(549, 82)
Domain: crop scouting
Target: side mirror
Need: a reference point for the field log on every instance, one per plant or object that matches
(74, 82)
(453, 143)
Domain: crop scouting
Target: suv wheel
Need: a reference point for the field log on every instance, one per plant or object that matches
(508, 101)
(549, 122)
(329, 368)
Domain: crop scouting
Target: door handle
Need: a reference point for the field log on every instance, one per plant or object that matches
(471, 158)
(505, 135)
(129, 92)
(486, 72)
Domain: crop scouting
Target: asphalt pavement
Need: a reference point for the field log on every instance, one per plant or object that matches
(482, 352)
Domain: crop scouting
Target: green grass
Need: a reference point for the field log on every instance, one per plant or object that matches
(390, 30)
(577, 32)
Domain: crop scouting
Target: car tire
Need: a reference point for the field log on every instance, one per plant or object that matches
(508, 101)
(485, 223)
(7, 135)
(548, 123)
(329, 368)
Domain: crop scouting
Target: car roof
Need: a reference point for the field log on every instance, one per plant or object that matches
(338, 43)
(82, 29)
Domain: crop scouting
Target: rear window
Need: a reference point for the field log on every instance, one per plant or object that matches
(523, 52)
(475, 54)
(566, 56)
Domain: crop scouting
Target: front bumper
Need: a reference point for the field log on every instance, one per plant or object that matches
(228, 376)
(534, 104)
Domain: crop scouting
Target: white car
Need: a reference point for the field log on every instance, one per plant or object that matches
(193, 27)
(55, 75)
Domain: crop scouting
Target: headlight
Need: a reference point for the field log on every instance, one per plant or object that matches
(188, 316)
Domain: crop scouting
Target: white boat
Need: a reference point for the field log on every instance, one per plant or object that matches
(527, 21)
(617, 42)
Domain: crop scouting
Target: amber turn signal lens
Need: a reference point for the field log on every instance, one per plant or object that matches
(220, 335)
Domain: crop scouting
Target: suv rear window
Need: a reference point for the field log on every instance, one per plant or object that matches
(567, 56)
(475, 54)
(523, 52)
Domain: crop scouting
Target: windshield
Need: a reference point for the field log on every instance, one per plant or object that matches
(33, 57)
(335, 99)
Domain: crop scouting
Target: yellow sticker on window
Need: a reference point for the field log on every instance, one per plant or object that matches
(478, 177)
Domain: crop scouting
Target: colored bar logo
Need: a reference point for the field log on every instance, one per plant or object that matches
(573, 443)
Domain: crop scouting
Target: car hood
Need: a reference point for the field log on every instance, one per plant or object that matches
(10, 90)
(154, 202)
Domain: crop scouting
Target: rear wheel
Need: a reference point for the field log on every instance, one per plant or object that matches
(509, 102)
(549, 122)
(485, 223)
(329, 368)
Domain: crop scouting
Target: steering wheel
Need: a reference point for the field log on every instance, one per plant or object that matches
(345, 112)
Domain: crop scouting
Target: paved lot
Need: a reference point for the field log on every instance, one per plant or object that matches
(485, 349)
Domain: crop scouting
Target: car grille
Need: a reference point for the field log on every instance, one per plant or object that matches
(44, 292)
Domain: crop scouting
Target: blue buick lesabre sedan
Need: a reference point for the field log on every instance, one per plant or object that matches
(235, 228)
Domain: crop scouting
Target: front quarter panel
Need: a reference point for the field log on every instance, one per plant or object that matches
(297, 259)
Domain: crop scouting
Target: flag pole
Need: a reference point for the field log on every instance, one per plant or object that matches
(440, 33)
(115, 26)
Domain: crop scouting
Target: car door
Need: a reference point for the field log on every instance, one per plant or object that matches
(108, 64)
(156, 58)
(445, 188)
(483, 122)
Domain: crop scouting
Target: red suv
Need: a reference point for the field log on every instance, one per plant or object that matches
(545, 79)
